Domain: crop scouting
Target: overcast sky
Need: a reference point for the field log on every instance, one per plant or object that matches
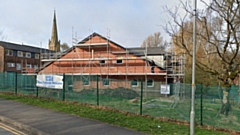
(129, 22)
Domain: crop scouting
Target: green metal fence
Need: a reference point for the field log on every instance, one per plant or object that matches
(140, 98)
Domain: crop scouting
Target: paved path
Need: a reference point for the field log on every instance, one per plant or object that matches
(41, 121)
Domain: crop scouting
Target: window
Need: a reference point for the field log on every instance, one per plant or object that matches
(19, 53)
(102, 61)
(35, 67)
(9, 52)
(36, 56)
(86, 81)
(28, 55)
(18, 66)
(23, 54)
(9, 64)
(150, 83)
(106, 82)
(134, 83)
(29, 66)
(119, 62)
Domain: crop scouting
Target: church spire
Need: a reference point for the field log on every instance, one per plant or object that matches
(54, 43)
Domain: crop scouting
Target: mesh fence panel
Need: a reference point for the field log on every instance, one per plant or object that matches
(176, 105)
(26, 84)
(7, 82)
(118, 96)
(137, 96)
(212, 106)
(81, 89)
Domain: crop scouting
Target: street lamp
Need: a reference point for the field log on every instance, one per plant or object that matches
(192, 113)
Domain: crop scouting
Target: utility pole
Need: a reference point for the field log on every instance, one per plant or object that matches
(192, 113)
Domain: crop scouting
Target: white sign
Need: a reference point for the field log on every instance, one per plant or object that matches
(165, 89)
(50, 81)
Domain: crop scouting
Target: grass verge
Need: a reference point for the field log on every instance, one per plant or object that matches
(136, 122)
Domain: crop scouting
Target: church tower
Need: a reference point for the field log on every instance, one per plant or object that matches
(54, 43)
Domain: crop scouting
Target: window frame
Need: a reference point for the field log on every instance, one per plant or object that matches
(84, 80)
(28, 55)
(35, 66)
(9, 52)
(19, 53)
(37, 56)
(105, 82)
(28, 65)
(10, 64)
(117, 61)
(18, 65)
(102, 61)
(152, 85)
(136, 80)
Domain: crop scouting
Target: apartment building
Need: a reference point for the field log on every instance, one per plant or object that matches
(19, 58)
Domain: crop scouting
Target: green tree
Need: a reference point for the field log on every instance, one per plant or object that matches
(217, 39)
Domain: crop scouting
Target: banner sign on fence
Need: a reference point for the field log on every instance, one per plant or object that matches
(165, 89)
(50, 81)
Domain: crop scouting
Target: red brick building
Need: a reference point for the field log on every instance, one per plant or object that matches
(97, 55)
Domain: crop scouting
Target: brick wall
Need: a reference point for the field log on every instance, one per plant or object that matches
(1, 59)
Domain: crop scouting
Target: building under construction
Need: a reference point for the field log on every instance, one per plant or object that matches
(96, 55)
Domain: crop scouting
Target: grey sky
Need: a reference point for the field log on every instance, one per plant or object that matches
(129, 21)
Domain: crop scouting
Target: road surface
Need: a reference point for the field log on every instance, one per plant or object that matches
(10, 130)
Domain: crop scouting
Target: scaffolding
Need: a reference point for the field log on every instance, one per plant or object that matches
(175, 65)
(101, 59)
(28, 67)
(124, 63)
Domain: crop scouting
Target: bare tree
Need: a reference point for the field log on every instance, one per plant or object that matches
(155, 40)
(217, 40)
(64, 47)
(2, 37)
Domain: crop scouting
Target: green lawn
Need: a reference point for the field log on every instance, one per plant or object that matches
(144, 124)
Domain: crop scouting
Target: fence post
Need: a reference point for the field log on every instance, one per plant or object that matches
(36, 86)
(15, 82)
(141, 96)
(37, 92)
(97, 93)
(63, 96)
(201, 107)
